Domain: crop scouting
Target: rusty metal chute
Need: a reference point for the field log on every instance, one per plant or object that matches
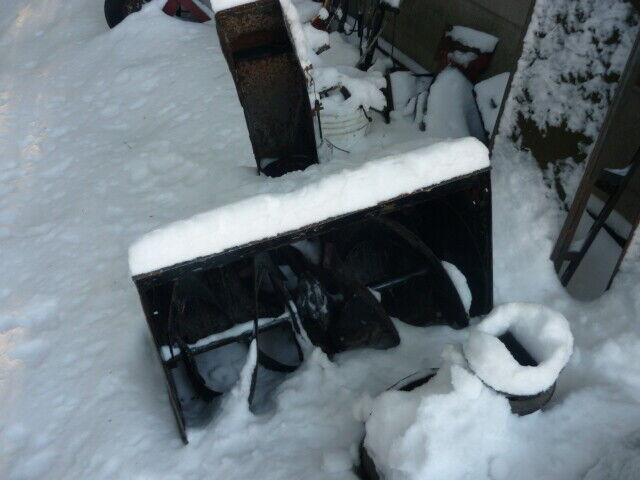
(271, 85)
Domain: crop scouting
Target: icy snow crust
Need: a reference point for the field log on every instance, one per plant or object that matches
(543, 332)
(103, 137)
(303, 198)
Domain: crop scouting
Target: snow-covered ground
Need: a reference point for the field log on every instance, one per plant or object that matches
(106, 135)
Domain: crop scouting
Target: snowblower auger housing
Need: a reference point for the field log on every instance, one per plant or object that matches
(326, 263)
(271, 85)
(194, 308)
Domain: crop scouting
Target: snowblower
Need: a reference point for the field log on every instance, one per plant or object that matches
(322, 258)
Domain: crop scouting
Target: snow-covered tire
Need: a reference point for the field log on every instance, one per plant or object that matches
(520, 405)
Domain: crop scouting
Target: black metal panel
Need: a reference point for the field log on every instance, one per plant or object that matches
(453, 219)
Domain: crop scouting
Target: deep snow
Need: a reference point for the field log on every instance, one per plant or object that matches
(106, 135)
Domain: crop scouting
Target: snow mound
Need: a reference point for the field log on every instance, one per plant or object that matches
(619, 463)
(421, 433)
(316, 39)
(451, 107)
(364, 88)
(218, 5)
(543, 332)
(336, 461)
(471, 38)
(325, 191)
(403, 88)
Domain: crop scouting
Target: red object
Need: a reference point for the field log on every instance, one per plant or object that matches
(473, 69)
(172, 6)
(320, 24)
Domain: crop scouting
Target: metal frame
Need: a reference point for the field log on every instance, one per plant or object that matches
(593, 172)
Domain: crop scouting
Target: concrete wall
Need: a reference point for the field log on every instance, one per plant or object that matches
(421, 23)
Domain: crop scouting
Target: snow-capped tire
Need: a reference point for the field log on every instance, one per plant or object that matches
(499, 349)
(520, 405)
(116, 10)
(526, 404)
